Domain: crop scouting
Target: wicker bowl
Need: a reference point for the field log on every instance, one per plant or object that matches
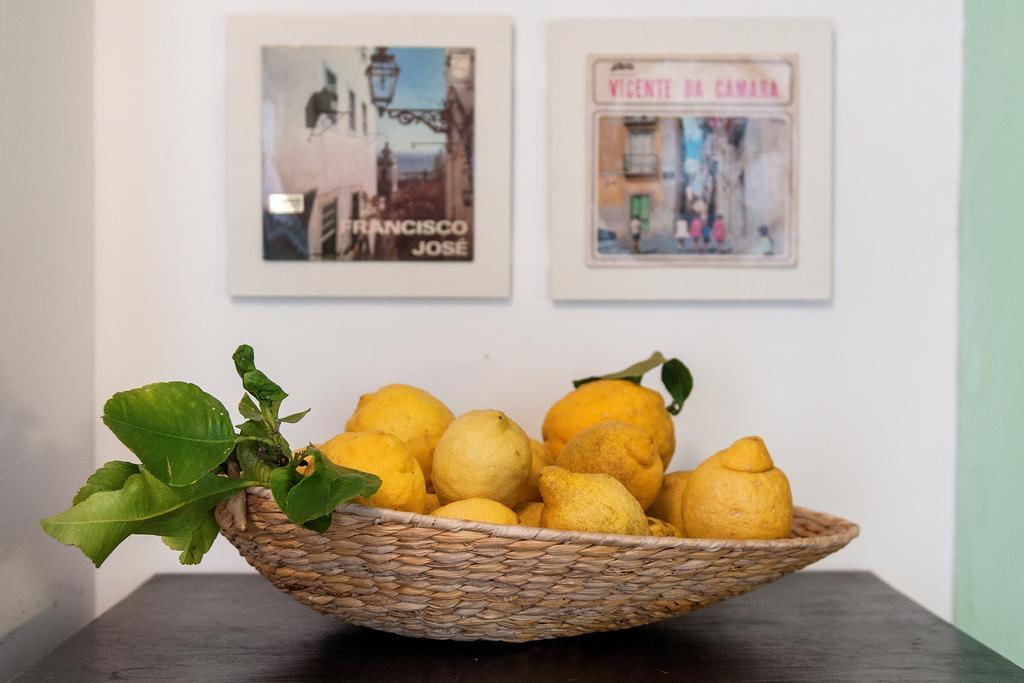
(430, 577)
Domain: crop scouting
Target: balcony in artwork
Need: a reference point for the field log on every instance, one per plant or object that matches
(640, 164)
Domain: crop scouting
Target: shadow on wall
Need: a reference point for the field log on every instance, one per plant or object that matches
(47, 591)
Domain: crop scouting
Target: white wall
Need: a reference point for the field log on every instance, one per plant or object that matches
(46, 336)
(855, 397)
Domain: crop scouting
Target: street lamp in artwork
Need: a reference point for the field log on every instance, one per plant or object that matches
(454, 119)
(382, 74)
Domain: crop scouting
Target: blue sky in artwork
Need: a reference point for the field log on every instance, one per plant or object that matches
(420, 86)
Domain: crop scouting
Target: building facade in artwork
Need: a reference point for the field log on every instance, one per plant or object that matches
(318, 131)
(638, 169)
(459, 79)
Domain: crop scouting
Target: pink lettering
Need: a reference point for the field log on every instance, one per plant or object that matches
(640, 88)
(692, 89)
(726, 88)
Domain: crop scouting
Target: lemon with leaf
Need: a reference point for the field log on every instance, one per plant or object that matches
(619, 396)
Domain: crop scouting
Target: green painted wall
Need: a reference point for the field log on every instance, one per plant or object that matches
(989, 602)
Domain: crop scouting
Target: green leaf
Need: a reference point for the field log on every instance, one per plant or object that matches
(248, 409)
(244, 359)
(260, 386)
(281, 482)
(678, 381)
(295, 417)
(328, 486)
(144, 505)
(634, 373)
(110, 477)
(256, 429)
(176, 429)
(320, 524)
(196, 544)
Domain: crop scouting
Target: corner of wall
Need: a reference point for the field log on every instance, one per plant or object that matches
(46, 273)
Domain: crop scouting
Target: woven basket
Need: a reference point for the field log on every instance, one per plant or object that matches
(430, 577)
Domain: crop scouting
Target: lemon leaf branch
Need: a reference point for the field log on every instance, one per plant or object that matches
(674, 375)
(186, 444)
(262, 416)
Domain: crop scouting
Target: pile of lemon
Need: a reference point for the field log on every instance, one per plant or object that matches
(601, 466)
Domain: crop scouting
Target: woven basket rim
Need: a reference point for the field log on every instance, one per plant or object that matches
(846, 530)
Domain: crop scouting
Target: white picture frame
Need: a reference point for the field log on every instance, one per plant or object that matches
(594, 214)
(488, 40)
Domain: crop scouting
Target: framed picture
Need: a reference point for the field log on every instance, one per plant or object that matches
(354, 163)
(691, 159)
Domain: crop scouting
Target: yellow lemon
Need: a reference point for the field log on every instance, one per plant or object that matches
(482, 454)
(589, 502)
(541, 459)
(618, 449)
(387, 456)
(529, 513)
(610, 399)
(669, 503)
(411, 414)
(478, 510)
(660, 527)
(738, 493)
(432, 504)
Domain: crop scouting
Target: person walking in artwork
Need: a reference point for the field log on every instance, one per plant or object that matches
(634, 230)
(682, 232)
(697, 233)
(718, 233)
(705, 233)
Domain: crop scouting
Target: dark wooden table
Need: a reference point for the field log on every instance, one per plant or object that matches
(809, 626)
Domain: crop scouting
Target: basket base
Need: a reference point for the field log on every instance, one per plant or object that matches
(427, 577)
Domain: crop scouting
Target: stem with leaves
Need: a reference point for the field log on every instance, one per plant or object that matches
(186, 444)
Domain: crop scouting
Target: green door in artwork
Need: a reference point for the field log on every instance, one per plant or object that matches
(640, 207)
